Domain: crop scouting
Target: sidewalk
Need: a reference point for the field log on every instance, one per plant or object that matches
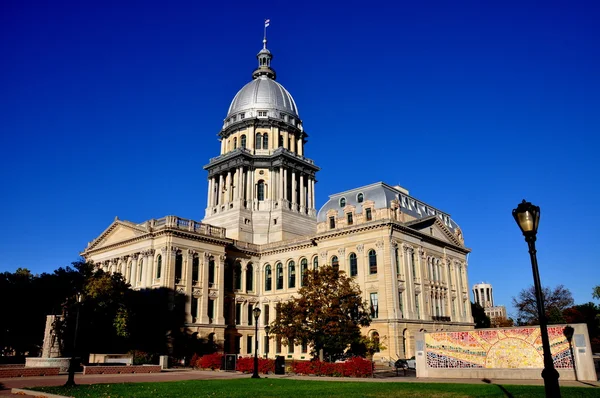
(176, 375)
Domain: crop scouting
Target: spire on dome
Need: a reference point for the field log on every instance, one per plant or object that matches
(264, 59)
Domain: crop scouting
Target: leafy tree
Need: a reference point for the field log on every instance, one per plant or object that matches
(327, 314)
(596, 292)
(555, 302)
(502, 322)
(479, 317)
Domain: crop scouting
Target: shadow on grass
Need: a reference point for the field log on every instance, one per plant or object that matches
(504, 390)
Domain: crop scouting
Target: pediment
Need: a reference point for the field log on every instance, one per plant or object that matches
(432, 226)
(117, 232)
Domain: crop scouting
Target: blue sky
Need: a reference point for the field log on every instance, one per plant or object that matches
(112, 108)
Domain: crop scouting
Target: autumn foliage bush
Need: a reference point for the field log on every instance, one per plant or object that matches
(246, 365)
(210, 361)
(354, 367)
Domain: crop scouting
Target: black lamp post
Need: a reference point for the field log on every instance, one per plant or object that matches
(568, 332)
(256, 313)
(267, 345)
(527, 217)
(72, 362)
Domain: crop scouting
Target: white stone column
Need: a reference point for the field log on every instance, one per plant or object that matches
(220, 191)
(293, 199)
(204, 288)
(219, 304)
(285, 184)
(228, 185)
(302, 195)
(281, 194)
(149, 268)
(312, 193)
(210, 190)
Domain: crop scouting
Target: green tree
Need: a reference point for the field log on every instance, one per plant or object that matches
(596, 292)
(479, 317)
(555, 302)
(327, 314)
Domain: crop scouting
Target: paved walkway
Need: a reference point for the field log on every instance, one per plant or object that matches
(175, 375)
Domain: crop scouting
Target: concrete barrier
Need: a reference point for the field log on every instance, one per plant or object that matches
(97, 370)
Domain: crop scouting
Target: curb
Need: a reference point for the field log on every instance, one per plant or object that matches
(37, 394)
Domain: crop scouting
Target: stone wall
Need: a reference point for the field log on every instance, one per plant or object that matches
(507, 353)
(35, 362)
(97, 370)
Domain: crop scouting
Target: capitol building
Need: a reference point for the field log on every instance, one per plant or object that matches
(262, 231)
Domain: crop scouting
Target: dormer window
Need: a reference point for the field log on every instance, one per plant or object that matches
(262, 113)
(349, 218)
(242, 116)
(368, 214)
(342, 202)
(360, 197)
(332, 222)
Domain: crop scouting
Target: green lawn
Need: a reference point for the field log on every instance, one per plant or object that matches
(299, 388)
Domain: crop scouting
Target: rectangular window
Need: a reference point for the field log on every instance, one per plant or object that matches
(412, 262)
(417, 309)
(304, 348)
(349, 218)
(290, 347)
(249, 344)
(374, 306)
(250, 315)
(401, 304)
(266, 315)
(238, 344)
(238, 313)
(278, 345)
(266, 345)
(194, 309)
(331, 222)
(368, 214)
(262, 113)
(242, 115)
(397, 261)
(211, 310)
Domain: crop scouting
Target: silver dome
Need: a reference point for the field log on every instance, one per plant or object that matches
(263, 93)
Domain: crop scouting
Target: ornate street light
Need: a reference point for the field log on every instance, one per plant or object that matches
(527, 217)
(72, 362)
(267, 330)
(256, 313)
(568, 332)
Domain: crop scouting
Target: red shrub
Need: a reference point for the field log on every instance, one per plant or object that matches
(211, 361)
(354, 367)
(195, 361)
(246, 365)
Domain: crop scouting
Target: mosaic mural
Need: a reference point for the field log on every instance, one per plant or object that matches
(515, 348)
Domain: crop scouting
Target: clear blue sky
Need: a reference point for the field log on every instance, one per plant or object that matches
(110, 109)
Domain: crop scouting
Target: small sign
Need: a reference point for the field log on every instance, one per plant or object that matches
(579, 340)
(581, 350)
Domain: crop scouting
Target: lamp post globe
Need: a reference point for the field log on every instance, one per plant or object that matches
(256, 313)
(527, 217)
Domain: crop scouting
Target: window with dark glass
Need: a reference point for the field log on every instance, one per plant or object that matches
(234, 143)
(372, 262)
(291, 275)
(249, 315)
(266, 314)
(249, 344)
(342, 202)
(374, 305)
(211, 310)
(211, 270)
(238, 313)
(243, 141)
(266, 141)
(332, 222)
(360, 197)
(303, 271)
(268, 277)
(349, 218)
(316, 263)
(335, 264)
(368, 214)
(278, 345)
(249, 278)
(280, 140)
(194, 309)
(158, 266)
(353, 264)
(261, 190)
(195, 269)
(279, 276)
(178, 267)
(258, 141)
(237, 276)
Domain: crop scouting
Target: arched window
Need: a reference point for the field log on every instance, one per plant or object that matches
(234, 142)
(353, 264)
(316, 263)
(268, 278)
(260, 190)
(211, 271)
(195, 269)
(249, 277)
(303, 271)
(266, 141)
(258, 141)
(237, 276)
(279, 276)
(178, 267)
(342, 202)
(360, 197)
(372, 261)
(243, 141)
(335, 263)
(291, 275)
(158, 266)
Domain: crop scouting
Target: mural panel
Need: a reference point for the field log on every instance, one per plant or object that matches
(515, 348)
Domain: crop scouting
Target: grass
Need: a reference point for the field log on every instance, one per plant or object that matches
(299, 388)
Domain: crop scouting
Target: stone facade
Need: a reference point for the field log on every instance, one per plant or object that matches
(261, 231)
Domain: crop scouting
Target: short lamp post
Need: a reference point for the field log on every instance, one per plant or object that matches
(568, 332)
(71, 378)
(527, 217)
(256, 313)
(268, 343)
